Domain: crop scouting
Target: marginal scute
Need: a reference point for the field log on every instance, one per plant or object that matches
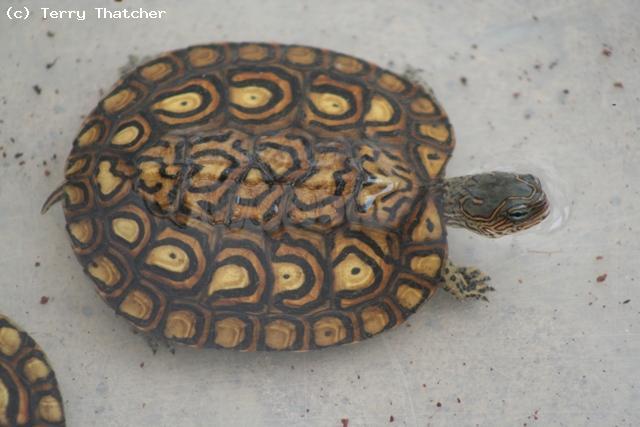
(301, 55)
(374, 319)
(280, 334)
(409, 297)
(202, 56)
(90, 136)
(347, 64)
(10, 341)
(439, 132)
(391, 83)
(82, 230)
(229, 332)
(75, 166)
(156, 71)
(181, 324)
(137, 304)
(253, 52)
(50, 409)
(35, 369)
(422, 105)
(329, 330)
(104, 270)
(426, 264)
(119, 100)
(74, 194)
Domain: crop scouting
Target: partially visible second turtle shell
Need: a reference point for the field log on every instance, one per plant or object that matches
(261, 197)
(29, 394)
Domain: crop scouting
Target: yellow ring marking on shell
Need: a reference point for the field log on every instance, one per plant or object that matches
(288, 276)
(438, 132)
(10, 341)
(119, 100)
(391, 83)
(137, 304)
(422, 105)
(104, 270)
(328, 331)
(353, 274)
(301, 55)
(428, 264)
(280, 334)
(74, 194)
(202, 56)
(4, 403)
(229, 332)
(250, 96)
(279, 161)
(125, 136)
(347, 64)
(374, 319)
(180, 324)
(75, 166)
(253, 52)
(421, 233)
(49, 409)
(330, 103)
(82, 230)
(107, 181)
(408, 296)
(156, 72)
(380, 111)
(179, 104)
(89, 136)
(229, 276)
(36, 369)
(433, 160)
(170, 258)
(126, 228)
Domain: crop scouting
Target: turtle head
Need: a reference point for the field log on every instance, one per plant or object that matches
(495, 204)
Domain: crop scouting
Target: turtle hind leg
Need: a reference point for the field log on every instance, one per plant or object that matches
(465, 282)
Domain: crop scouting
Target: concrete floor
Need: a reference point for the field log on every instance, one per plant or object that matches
(551, 88)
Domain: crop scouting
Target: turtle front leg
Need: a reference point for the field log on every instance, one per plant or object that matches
(465, 282)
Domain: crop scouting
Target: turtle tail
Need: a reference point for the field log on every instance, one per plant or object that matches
(55, 197)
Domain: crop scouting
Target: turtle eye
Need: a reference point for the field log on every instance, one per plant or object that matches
(518, 214)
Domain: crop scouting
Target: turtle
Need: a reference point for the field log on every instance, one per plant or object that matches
(29, 393)
(258, 196)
